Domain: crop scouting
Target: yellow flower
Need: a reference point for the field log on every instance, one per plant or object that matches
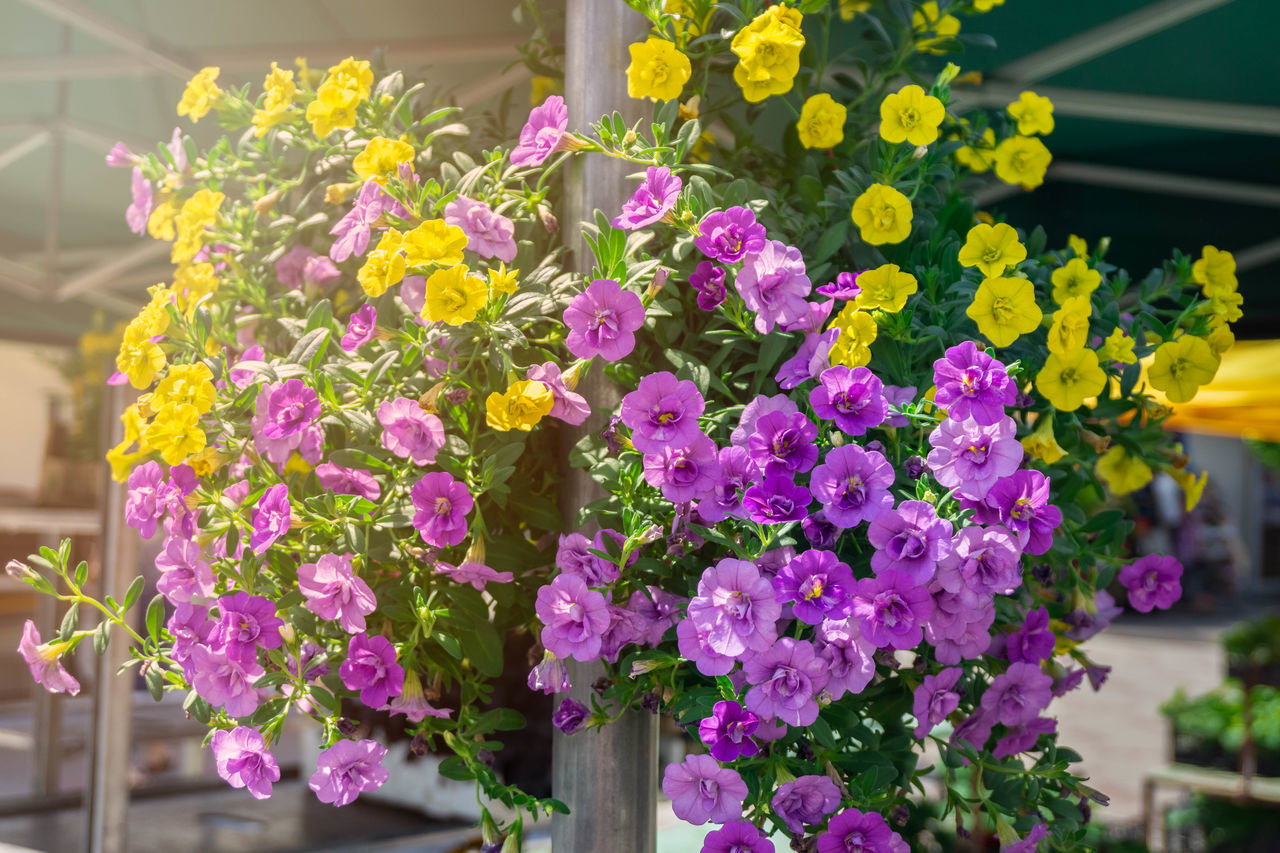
(1118, 346)
(658, 70)
(186, 384)
(1070, 329)
(1224, 305)
(1005, 308)
(453, 296)
(139, 359)
(1068, 379)
(1192, 486)
(1078, 245)
(524, 404)
(1215, 271)
(540, 86)
(191, 283)
(295, 464)
(909, 115)
(160, 222)
(154, 316)
(821, 123)
(503, 281)
(928, 19)
(1181, 366)
(882, 214)
(122, 462)
(1122, 472)
(1042, 443)
(1022, 160)
(344, 87)
(384, 266)
(849, 8)
(1033, 113)
(206, 462)
(277, 101)
(979, 159)
(1074, 279)
(434, 242)
(134, 423)
(992, 248)
(381, 158)
(1220, 337)
(201, 95)
(176, 433)
(768, 51)
(198, 213)
(857, 332)
(351, 72)
(986, 5)
(886, 287)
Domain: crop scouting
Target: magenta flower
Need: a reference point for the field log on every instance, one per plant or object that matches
(891, 609)
(898, 396)
(244, 761)
(223, 680)
(549, 675)
(852, 398)
(853, 485)
(730, 235)
(773, 283)
(189, 624)
(542, 133)
(360, 327)
(347, 769)
(817, 585)
(569, 407)
(974, 730)
(353, 230)
(756, 409)
(1029, 843)
(489, 234)
(409, 432)
(1033, 641)
(1021, 503)
(183, 572)
(574, 618)
(972, 384)
(574, 557)
(414, 706)
(655, 196)
(815, 317)
(708, 280)
(727, 732)
(853, 831)
(44, 660)
(701, 790)
(333, 591)
(145, 504)
(687, 473)
(694, 644)
(371, 668)
(603, 321)
(783, 444)
(983, 561)
(570, 716)
(1152, 581)
(476, 574)
(845, 287)
(271, 518)
(138, 211)
(736, 608)
(318, 272)
(910, 539)
(809, 361)
(291, 407)
(248, 623)
(1023, 737)
(120, 157)
(934, 699)
(970, 457)
(776, 500)
(805, 800)
(442, 504)
(849, 657)
(787, 678)
(662, 412)
(289, 267)
(348, 481)
(1018, 695)
(736, 836)
(736, 472)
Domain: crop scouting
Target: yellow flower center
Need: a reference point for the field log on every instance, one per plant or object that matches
(1002, 310)
(992, 254)
(909, 117)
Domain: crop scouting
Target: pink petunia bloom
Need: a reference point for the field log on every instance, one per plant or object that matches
(45, 662)
(348, 769)
(476, 574)
(1152, 581)
(574, 618)
(243, 760)
(701, 790)
(655, 196)
(442, 504)
(409, 432)
(489, 234)
(333, 591)
(271, 518)
(542, 133)
(360, 327)
(570, 407)
(774, 284)
(348, 481)
(603, 321)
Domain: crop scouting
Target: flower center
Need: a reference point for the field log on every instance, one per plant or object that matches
(811, 589)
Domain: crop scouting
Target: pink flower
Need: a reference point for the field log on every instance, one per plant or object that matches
(409, 432)
(360, 327)
(244, 761)
(569, 407)
(542, 133)
(773, 283)
(45, 662)
(701, 790)
(348, 481)
(347, 769)
(333, 591)
(574, 617)
(139, 210)
(655, 196)
(603, 320)
(476, 574)
(442, 504)
(1152, 581)
(489, 234)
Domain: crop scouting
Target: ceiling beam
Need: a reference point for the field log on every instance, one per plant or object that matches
(1134, 109)
(105, 28)
(1258, 255)
(1103, 39)
(18, 150)
(102, 274)
(100, 139)
(1163, 183)
(21, 278)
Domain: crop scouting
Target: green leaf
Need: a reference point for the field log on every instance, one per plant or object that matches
(155, 616)
(101, 635)
(830, 241)
(456, 769)
(134, 592)
(155, 681)
(82, 574)
(69, 623)
(308, 347)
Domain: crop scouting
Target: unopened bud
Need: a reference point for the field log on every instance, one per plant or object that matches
(1099, 443)
(346, 726)
(920, 151)
(18, 571)
(392, 85)
(571, 376)
(339, 193)
(660, 277)
(629, 139)
(549, 222)
(475, 553)
(267, 203)
(428, 402)
(689, 109)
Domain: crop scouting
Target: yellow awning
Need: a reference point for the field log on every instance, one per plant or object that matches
(1243, 399)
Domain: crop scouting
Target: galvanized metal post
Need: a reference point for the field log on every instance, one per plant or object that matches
(607, 776)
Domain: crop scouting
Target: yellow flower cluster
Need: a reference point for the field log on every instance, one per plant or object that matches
(201, 95)
(345, 86)
(857, 332)
(929, 19)
(524, 404)
(381, 159)
(1215, 272)
(277, 101)
(658, 70)
(768, 51)
(198, 213)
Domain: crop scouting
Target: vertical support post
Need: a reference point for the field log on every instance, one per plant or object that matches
(107, 800)
(607, 776)
(46, 735)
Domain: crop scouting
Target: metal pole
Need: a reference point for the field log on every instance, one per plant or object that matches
(607, 776)
(47, 734)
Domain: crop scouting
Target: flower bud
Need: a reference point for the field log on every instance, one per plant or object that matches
(392, 85)
(18, 571)
(689, 109)
(339, 193)
(267, 203)
(920, 151)
(1099, 443)
(549, 222)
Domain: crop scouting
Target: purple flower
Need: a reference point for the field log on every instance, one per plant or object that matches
(360, 327)
(983, 561)
(244, 761)
(603, 320)
(974, 730)
(542, 133)
(291, 407)
(371, 668)
(686, 473)
(809, 361)
(136, 214)
(898, 396)
(787, 678)
(972, 384)
(574, 618)
(850, 657)
(815, 317)
(318, 272)
(693, 643)
(44, 660)
(736, 471)
(347, 769)
(570, 716)
(120, 157)
(773, 283)
(1018, 695)
(960, 629)
(289, 266)
(910, 539)
(783, 444)
(224, 681)
(736, 836)
(574, 557)
(1021, 503)
(1088, 621)
(189, 624)
(852, 398)
(442, 504)
(409, 432)
(701, 790)
(934, 699)
(353, 230)
(569, 407)
(656, 610)
(662, 412)
(845, 287)
(248, 623)
(853, 485)
(1033, 641)
(183, 572)
(333, 591)
(348, 481)
(146, 502)
(777, 500)
(891, 609)
(730, 235)
(736, 608)
(1030, 843)
(550, 675)
(271, 518)
(489, 234)
(806, 800)
(1152, 581)
(727, 732)
(756, 409)
(656, 195)
(1023, 737)
(708, 280)
(476, 574)
(970, 457)
(817, 585)
(852, 831)
(819, 532)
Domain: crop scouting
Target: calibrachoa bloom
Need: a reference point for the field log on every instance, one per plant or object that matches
(658, 70)
(44, 660)
(701, 790)
(853, 831)
(806, 800)
(736, 608)
(360, 327)
(982, 561)
(348, 769)
(821, 123)
(775, 500)
(783, 444)
(291, 408)
(570, 716)
(852, 398)
(574, 618)
(333, 591)
(442, 504)
(911, 539)
(736, 472)
(489, 234)
(970, 458)
(271, 518)
(891, 609)
(687, 473)
(730, 235)
(817, 585)
(909, 115)
(409, 432)
(1018, 695)
(244, 761)
(1004, 309)
(972, 384)
(708, 280)
(935, 699)
(371, 668)
(184, 574)
(542, 133)
(774, 285)
(348, 481)
(853, 485)
(655, 196)
(1033, 641)
(736, 836)
(662, 412)
(248, 623)
(727, 732)
(144, 506)
(1152, 581)
(787, 678)
(603, 320)
(883, 215)
(566, 405)
(1020, 502)
(224, 681)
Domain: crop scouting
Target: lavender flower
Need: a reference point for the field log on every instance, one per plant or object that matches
(853, 485)
(574, 618)
(655, 196)
(569, 407)
(348, 481)
(1018, 695)
(809, 361)
(727, 732)
(145, 504)
(852, 831)
(542, 133)
(248, 623)
(970, 457)
(291, 407)
(353, 230)
(44, 660)
(183, 573)
(817, 585)
(489, 234)
(708, 280)
(603, 320)
(783, 444)
(224, 681)
(910, 539)
(787, 677)
(244, 761)
(333, 591)
(960, 626)
(756, 409)
(983, 561)
(815, 317)
(730, 235)
(1033, 641)
(972, 384)
(891, 609)
(686, 473)
(1152, 581)
(409, 432)
(570, 716)
(701, 790)
(736, 608)
(805, 800)
(852, 398)
(549, 676)
(139, 209)
(1030, 843)
(360, 327)
(849, 657)
(694, 643)
(371, 668)
(736, 471)
(271, 518)
(662, 412)
(442, 504)
(777, 500)
(1021, 503)
(845, 287)
(737, 836)
(1023, 737)
(773, 283)
(819, 532)
(934, 699)
(347, 769)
